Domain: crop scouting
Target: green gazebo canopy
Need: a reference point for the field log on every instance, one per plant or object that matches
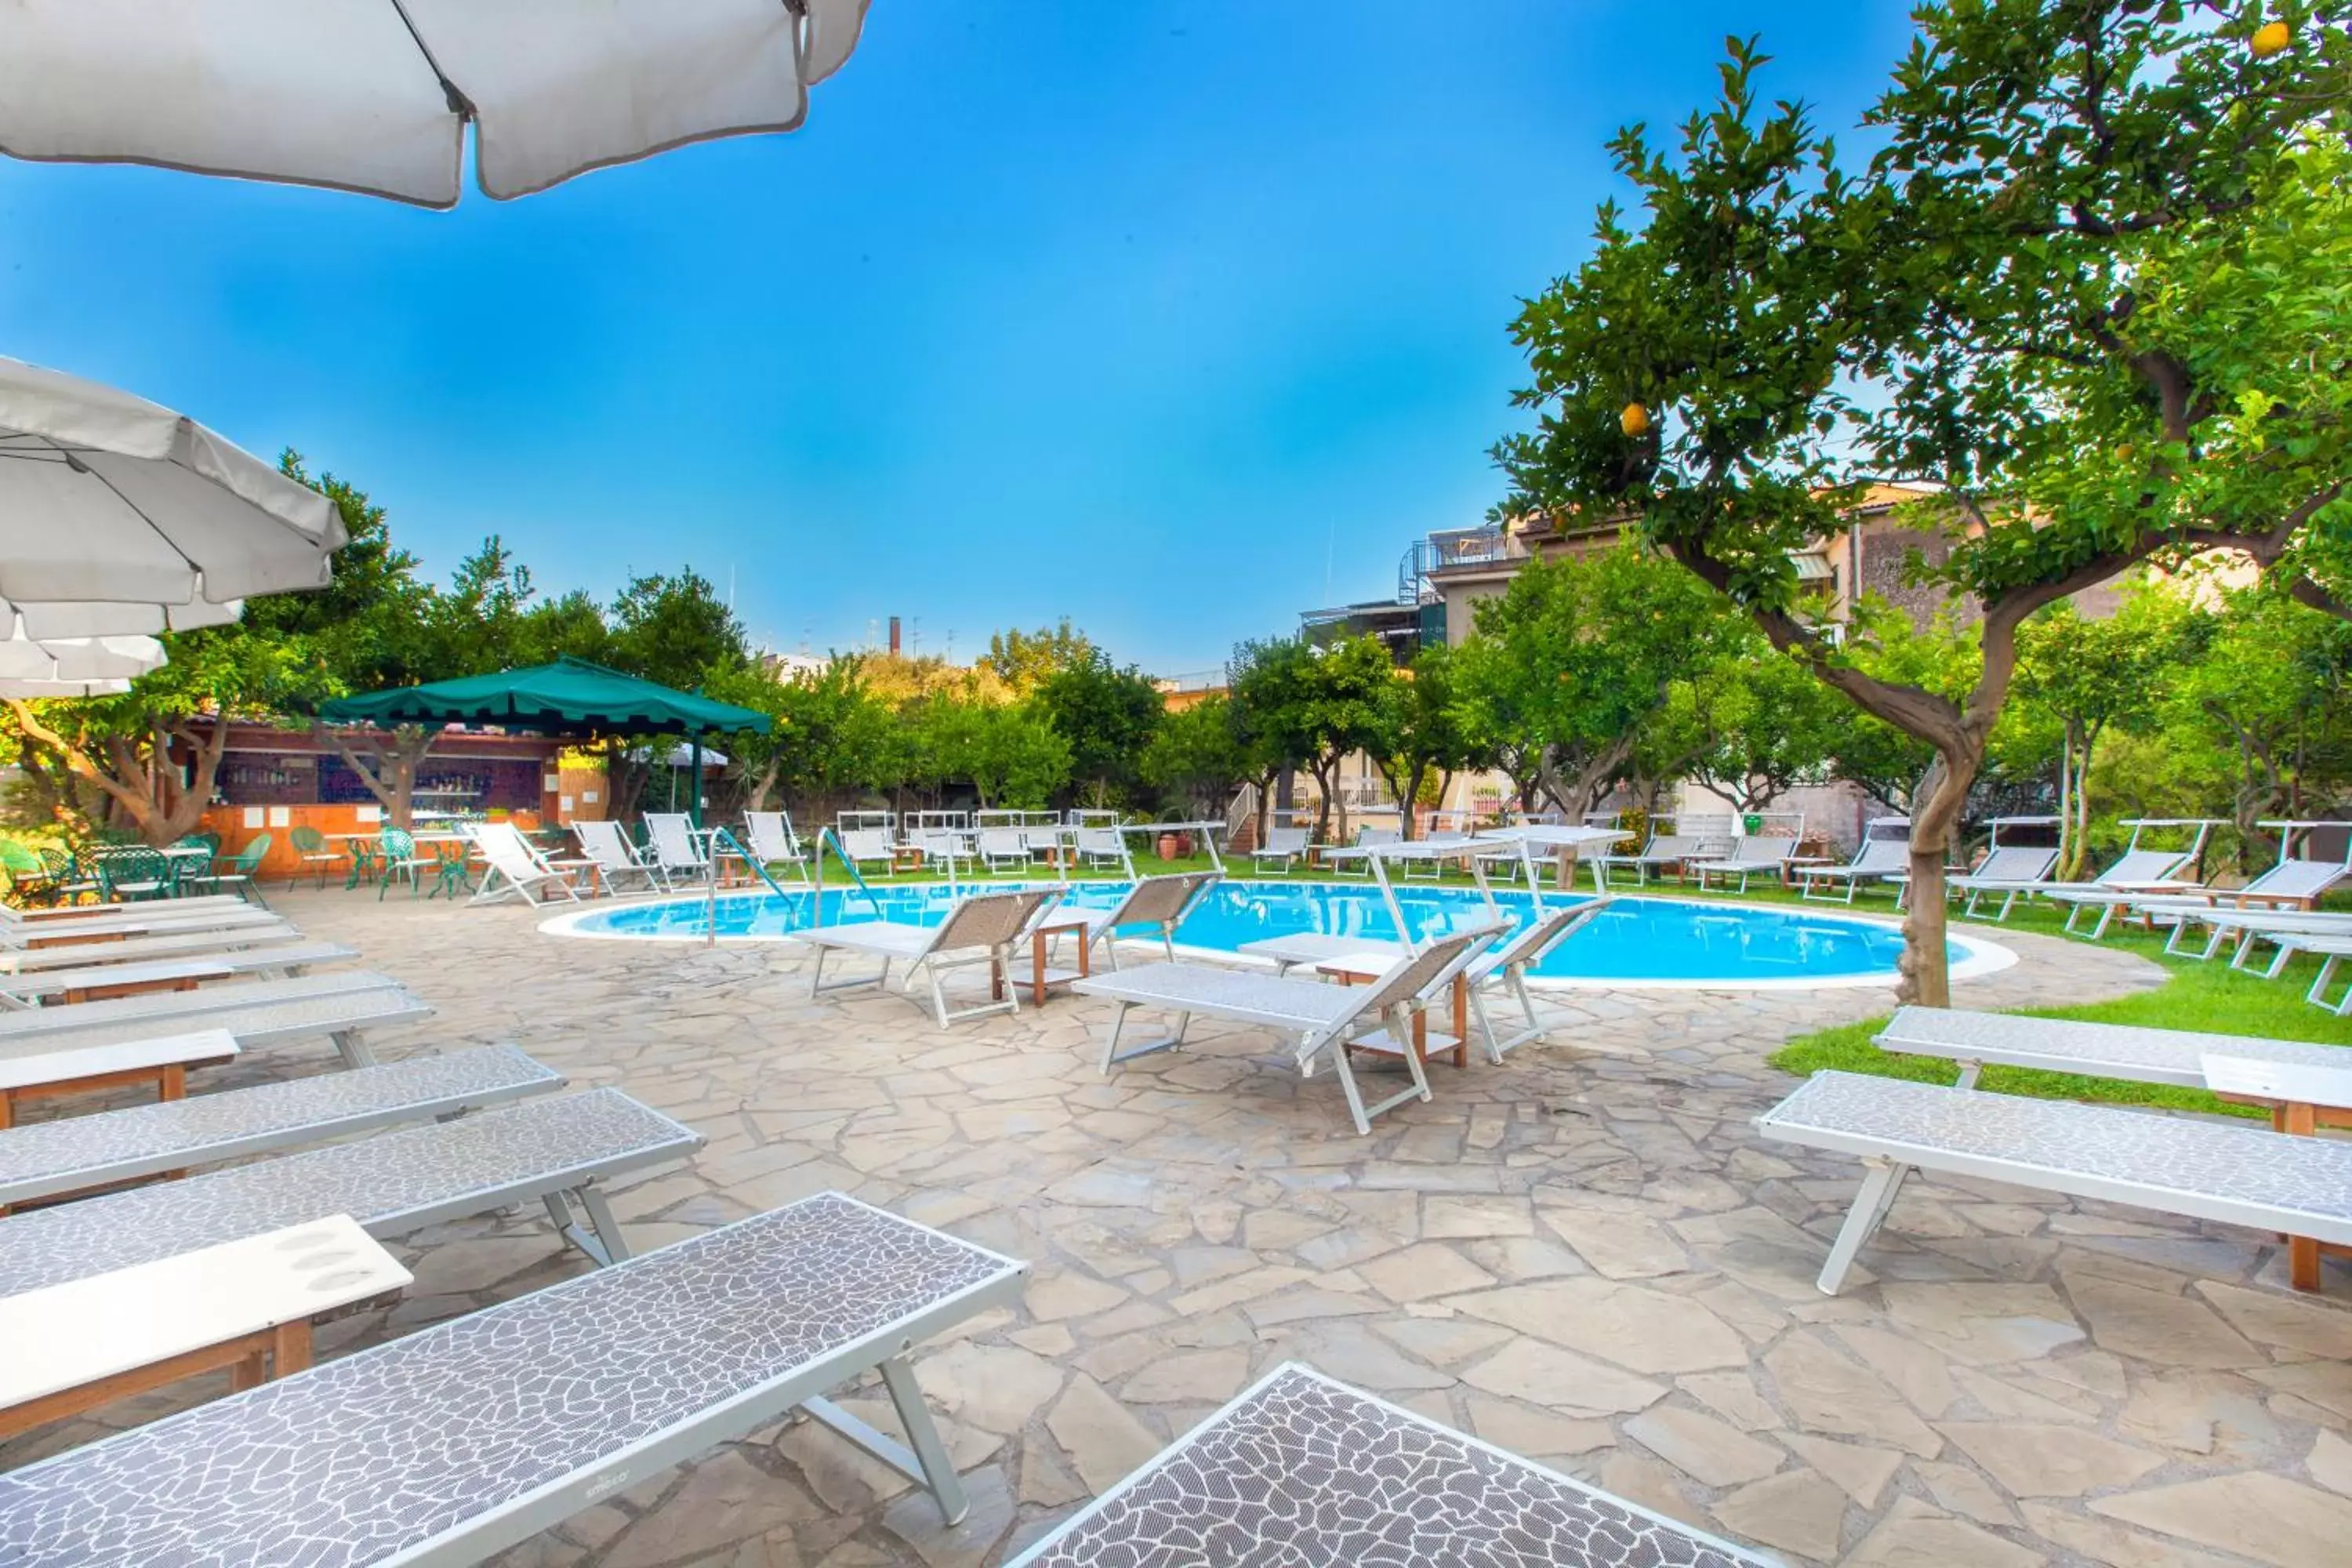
(569, 697)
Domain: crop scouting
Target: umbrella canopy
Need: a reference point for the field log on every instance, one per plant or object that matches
(118, 517)
(374, 95)
(39, 690)
(569, 697)
(79, 658)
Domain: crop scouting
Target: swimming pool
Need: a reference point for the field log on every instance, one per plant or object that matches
(1639, 942)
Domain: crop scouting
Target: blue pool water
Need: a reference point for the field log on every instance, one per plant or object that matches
(1638, 939)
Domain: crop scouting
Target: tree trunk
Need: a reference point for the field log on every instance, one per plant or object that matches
(1943, 791)
(388, 771)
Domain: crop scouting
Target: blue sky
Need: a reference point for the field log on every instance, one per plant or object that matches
(1169, 318)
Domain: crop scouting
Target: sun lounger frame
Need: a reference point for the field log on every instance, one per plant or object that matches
(1888, 1160)
(516, 1519)
(372, 1002)
(117, 1146)
(1321, 1414)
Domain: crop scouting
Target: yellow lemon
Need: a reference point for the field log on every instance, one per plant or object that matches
(1634, 420)
(2271, 38)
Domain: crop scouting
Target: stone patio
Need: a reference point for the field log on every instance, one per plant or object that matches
(1586, 1256)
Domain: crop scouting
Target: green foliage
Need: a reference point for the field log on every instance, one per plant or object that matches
(1429, 735)
(2087, 294)
(1196, 759)
(1009, 752)
(1025, 660)
(2272, 694)
(1107, 717)
(1575, 665)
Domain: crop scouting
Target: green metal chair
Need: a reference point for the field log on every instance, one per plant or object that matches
(133, 872)
(314, 854)
(70, 878)
(402, 862)
(29, 879)
(240, 872)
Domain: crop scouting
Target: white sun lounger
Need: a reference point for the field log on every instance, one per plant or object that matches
(72, 1154)
(42, 986)
(516, 871)
(2332, 951)
(2288, 932)
(2234, 1175)
(2132, 1054)
(1875, 861)
(11, 916)
(132, 950)
(616, 860)
(557, 1150)
(2292, 885)
(1751, 857)
(337, 1005)
(980, 929)
(1303, 1469)
(453, 1443)
(1505, 966)
(1003, 848)
(137, 921)
(1282, 846)
(1158, 901)
(244, 1305)
(863, 847)
(1325, 1019)
(2013, 871)
(162, 1060)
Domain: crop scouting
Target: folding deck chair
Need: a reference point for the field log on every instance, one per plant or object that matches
(1324, 1019)
(1505, 966)
(1100, 848)
(2288, 932)
(1160, 902)
(559, 1150)
(774, 843)
(2292, 884)
(2013, 870)
(1282, 846)
(669, 844)
(2235, 1175)
(455, 1442)
(94, 981)
(1875, 860)
(516, 870)
(1751, 857)
(1302, 1469)
(607, 846)
(339, 1005)
(76, 1153)
(982, 929)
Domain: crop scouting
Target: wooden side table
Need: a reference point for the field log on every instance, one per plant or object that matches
(1039, 939)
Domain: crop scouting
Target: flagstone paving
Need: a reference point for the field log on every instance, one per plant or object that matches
(1587, 1257)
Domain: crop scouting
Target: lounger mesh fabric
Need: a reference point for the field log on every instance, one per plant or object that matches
(1301, 1470)
(77, 1152)
(379, 1182)
(387, 1450)
(2112, 1050)
(2169, 1163)
(1309, 1005)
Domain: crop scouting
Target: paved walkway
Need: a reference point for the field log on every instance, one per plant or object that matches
(1586, 1256)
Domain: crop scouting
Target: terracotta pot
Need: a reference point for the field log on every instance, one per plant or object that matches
(1171, 846)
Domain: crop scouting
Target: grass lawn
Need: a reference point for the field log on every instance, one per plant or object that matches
(2208, 995)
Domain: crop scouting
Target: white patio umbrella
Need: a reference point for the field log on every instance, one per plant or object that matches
(37, 691)
(69, 659)
(375, 95)
(120, 518)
